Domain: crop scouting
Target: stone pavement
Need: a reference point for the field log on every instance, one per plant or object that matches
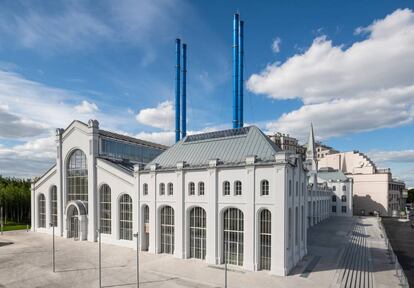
(339, 248)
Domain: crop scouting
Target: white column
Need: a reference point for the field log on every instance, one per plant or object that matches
(212, 190)
(179, 212)
(33, 205)
(248, 190)
(93, 127)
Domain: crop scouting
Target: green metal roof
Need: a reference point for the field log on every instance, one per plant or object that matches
(332, 175)
(229, 146)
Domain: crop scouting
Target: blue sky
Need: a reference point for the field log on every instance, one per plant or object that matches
(344, 65)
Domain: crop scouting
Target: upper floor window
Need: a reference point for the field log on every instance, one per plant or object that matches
(191, 188)
(344, 188)
(200, 188)
(297, 188)
(145, 189)
(333, 198)
(77, 177)
(238, 188)
(170, 188)
(290, 187)
(162, 189)
(226, 188)
(334, 188)
(264, 188)
(343, 198)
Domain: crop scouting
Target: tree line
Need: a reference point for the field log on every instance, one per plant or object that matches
(15, 199)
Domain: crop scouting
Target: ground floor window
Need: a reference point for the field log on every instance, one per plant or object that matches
(125, 219)
(42, 211)
(334, 209)
(167, 230)
(233, 236)
(343, 209)
(198, 233)
(265, 239)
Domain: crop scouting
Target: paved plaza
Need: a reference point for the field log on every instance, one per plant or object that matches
(343, 252)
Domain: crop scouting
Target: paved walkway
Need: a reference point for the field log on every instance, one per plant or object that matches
(352, 245)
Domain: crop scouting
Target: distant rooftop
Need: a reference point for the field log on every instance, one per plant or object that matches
(229, 146)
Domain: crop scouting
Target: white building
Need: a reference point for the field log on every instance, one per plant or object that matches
(228, 194)
(341, 200)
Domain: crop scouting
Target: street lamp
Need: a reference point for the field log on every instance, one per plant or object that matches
(225, 261)
(53, 245)
(136, 235)
(100, 258)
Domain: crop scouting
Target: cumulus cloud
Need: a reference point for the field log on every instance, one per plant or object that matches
(276, 45)
(161, 137)
(86, 107)
(161, 116)
(399, 156)
(364, 87)
(13, 126)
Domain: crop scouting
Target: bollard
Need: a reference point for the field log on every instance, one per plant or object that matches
(27, 228)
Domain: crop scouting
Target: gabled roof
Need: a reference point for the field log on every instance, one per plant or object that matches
(229, 146)
(334, 175)
(114, 135)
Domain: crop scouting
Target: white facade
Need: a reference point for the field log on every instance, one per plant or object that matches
(260, 220)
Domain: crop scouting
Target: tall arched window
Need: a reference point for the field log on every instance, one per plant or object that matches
(162, 189)
(145, 189)
(42, 211)
(170, 188)
(265, 239)
(238, 188)
(226, 188)
(125, 217)
(53, 205)
(200, 188)
(333, 198)
(145, 241)
(77, 177)
(198, 233)
(344, 188)
(343, 198)
(191, 188)
(264, 188)
(233, 236)
(105, 209)
(334, 188)
(167, 230)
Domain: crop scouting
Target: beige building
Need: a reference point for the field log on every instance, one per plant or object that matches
(288, 143)
(373, 189)
(322, 150)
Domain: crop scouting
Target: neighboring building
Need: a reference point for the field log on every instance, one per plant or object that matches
(397, 197)
(372, 190)
(288, 143)
(231, 189)
(319, 194)
(341, 200)
(322, 150)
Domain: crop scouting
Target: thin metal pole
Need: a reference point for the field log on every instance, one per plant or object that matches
(1, 219)
(136, 235)
(100, 258)
(54, 265)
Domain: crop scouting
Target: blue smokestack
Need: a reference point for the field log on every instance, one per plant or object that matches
(184, 95)
(235, 71)
(177, 89)
(241, 80)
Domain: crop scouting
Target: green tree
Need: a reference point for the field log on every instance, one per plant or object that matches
(15, 199)
(410, 198)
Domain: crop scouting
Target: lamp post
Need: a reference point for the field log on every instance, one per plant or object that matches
(1, 220)
(100, 258)
(136, 236)
(53, 244)
(225, 261)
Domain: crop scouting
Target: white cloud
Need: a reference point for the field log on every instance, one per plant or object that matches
(161, 116)
(163, 137)
(399, 156)
(276, 45)
(364, 87)
(86, 107)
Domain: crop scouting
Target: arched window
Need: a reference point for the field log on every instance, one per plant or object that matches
(145, 189)
(42, 211)
(125, 217)
(333, 198)
(297, 189)
(162, 189)
(145, 240)
(198, 233)
(167, 230)
(233, 236)
(77, 177)
(105, 209)
(265, 239)
(334, 188)
(226, 188)
(343, 198)
(191, 188)
(344, 188)
(264, 188)
(200, 188)
(170, 187)
(238, 188)
(290, 187)
(53, 205)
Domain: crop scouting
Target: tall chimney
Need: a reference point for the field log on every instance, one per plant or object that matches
(235, 71)
(184, 95)
(177, 89)
(241, 64)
